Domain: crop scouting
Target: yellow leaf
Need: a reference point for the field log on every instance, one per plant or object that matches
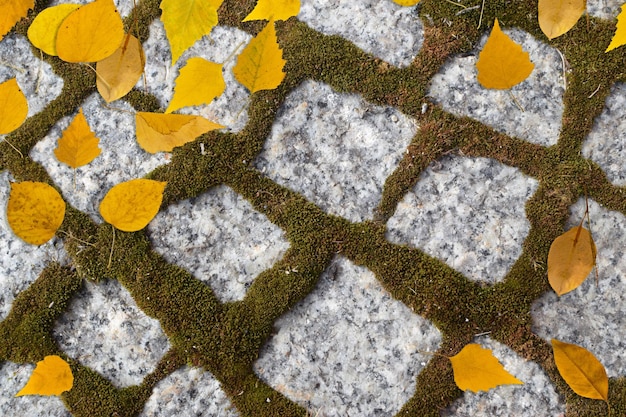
(619, 38)
(476, 369)
(581, 370)
(186, 21)
(90, 33)
(42, 33)
(157, 132)
(13, 106)
(572, 256)
(78, 145)
(35, 211)
(274, 10)
(260, 65)
(118, 73)
(406, 2)
(199, 82)
(131, 205)
(12, 12)
(558, 16)
(502, 63)
(52, 376)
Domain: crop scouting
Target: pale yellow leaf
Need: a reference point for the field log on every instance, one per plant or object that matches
(476, 369)
(581, 370)
(35, 211)
(406, 2)
(260, 65)
(157, 132)
(502, 63)
(42, 33)
(619, 38)
(78, 145)
(571, 258)
(11, 12)
(274, 10)
(13, 106)
(186, 21)
(131, 205)
(90, 33)
(118, 73)
(199, 82)
(51, 376)
(558, 16)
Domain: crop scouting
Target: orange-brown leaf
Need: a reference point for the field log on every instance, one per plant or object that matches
(571, 258)
(556, 17)
(78, 145)
(131, 205)
(118, 73)
(13, 106)
(12, 11)
(581, 370)
(476, 369)
(51, 376)
(502, 63)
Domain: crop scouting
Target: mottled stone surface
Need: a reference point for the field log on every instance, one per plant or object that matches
(336, 149)
(348, 348)
(220, 239)
(104, 329)
(468, 212)
(592, 316)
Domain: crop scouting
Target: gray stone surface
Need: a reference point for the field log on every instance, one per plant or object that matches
(348, 348)
(220, 239)
(336, 149)
(104, 329)
(468, 212)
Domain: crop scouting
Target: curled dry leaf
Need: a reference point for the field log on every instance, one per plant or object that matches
(502, 63)
(274, 10)
(118, 73)
(157, 132)
(199, 82)
(35, 211)
(78, 145)
(51, 376)
(90, 33)
(12, 12)
(581, 370)
(13, 106)
(186, 21)
(260, 65)
(42, 33)
(131, 205)
(476, 369)
(556, 17)
(571, 258)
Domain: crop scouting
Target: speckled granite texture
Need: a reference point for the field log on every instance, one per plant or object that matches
(351, 346)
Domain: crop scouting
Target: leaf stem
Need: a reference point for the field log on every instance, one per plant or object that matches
(457, 4)
(519, 105)
(112, 245)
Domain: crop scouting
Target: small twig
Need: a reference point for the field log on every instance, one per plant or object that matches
(457, 4)
(467, 9)
(482, 334)
(516, 102)
(16, 150)
(564, 69)
(112, 245)
(595, 91)
(480, 20)
(71, 236)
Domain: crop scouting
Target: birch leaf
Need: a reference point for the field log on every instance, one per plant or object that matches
(556, 17)
(571, 258)
(35, 211)
(199, 82)
(581, 370)
(13, 106)
(186, 21)
(260, 65)
(157, 132)
(619, 38)
(78, 145)
(12, 12)
(406, 2)
(90, 33)
(476, 369)
(118, 73)
(42, 33)
(131, 205)
(274, 10)
(502, 63)
(51, 376)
